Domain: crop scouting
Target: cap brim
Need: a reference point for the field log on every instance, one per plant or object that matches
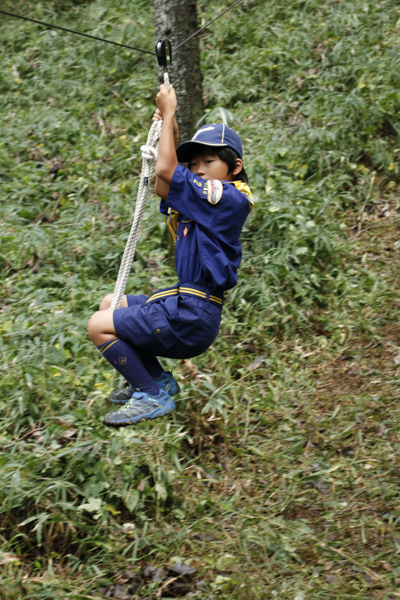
(189, 149)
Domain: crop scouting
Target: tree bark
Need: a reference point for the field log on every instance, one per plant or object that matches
(177, 20)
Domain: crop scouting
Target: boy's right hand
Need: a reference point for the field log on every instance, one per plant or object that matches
(166, 101)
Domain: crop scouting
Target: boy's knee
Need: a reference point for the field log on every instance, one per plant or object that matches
(101, 327)
(94, 326)
(106, 302)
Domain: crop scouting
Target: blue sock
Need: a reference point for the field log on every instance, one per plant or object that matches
(126, 361)
(151, 364)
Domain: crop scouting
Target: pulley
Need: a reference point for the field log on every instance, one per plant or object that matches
(164, 53)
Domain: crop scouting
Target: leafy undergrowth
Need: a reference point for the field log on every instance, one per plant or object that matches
(278, 474)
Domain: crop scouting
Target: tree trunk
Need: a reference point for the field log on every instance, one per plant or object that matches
(177, 20)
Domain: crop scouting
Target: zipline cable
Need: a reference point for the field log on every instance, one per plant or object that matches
(92, 37)
(98, 39)
(205, 26)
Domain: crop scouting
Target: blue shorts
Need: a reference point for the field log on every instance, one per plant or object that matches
(178, 326)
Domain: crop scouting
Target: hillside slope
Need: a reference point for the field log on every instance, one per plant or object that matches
(278, 474)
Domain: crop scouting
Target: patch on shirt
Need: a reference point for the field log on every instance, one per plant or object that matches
(185, 231)
(214, 190)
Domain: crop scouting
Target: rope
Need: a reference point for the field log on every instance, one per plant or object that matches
(149, 154)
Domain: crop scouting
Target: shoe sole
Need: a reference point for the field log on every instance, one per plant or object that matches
(156, 414)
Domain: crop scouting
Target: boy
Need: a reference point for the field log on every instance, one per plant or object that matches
(207, 205)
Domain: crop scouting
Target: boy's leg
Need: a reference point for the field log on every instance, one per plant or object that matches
(121, 355)
(149, 402)
(150, 362)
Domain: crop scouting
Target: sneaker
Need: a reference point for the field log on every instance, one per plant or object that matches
(141, 407)
(164, 382)
(122, 396)
(167, 382)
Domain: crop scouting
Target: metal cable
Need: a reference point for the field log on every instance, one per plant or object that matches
(98, 39)
(205, 26)
(92, 37)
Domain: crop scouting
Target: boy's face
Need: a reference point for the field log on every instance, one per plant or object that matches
(209, 166)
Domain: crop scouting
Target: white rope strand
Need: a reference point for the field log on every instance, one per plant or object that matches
(149, 153)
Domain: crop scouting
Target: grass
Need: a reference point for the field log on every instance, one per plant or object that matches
(277, 477)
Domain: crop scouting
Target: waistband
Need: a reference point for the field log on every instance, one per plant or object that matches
(189, 289)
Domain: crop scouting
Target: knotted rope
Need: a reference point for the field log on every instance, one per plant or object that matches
(149, 154)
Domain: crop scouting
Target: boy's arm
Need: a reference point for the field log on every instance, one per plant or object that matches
(161, 188)
(167, 160)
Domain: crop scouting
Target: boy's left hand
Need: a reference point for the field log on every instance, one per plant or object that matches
(158, 116)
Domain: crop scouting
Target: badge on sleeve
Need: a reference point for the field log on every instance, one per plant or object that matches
(214, 191)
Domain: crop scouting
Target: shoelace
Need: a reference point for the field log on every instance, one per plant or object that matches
(132, 401)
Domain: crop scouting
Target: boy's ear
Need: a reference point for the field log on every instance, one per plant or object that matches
(239, 166)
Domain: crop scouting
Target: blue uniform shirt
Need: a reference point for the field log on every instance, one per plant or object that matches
(211, 218)
(181, 324)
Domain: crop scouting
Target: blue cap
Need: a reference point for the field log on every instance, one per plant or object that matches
(216, 135)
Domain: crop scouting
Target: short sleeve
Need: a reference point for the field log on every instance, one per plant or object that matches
(194, 197)
(163, 207)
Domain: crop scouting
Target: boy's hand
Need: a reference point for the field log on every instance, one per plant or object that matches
(158, 116)
(166, 102)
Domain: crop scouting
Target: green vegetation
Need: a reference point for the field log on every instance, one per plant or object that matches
(278, 475)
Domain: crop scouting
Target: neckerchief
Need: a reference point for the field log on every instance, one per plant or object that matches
(244, 188)
(173, 217)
